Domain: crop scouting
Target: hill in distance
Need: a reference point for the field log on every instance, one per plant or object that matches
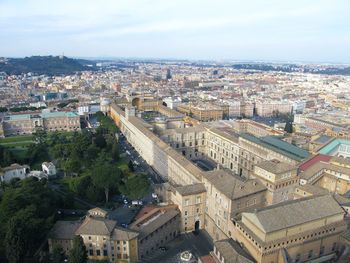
(49, 65)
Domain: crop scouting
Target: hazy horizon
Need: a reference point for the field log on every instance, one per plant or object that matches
(315, 31)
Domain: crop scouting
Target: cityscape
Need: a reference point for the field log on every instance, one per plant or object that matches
(178, 150)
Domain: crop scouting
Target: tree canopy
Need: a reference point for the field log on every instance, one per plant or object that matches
(78, 253)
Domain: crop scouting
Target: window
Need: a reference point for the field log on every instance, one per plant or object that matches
(334, 246)
(98, 252)
(198, 199)
(321, 250)
(310, 254)
(187, 201)
(91, 252)
(105, 252)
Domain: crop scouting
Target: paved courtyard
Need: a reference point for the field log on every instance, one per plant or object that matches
(199, 245)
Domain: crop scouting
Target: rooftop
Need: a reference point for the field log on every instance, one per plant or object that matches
(275, 166)
(278, 145)
(232, 252)
(294, 212)
(64, 229)
(191, 189)
(329, 147)
(96, 226)
(233, 186)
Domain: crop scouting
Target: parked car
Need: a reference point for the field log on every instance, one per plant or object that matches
(163, 248)
(137, 202)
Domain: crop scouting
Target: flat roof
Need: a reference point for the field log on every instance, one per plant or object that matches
(276, 144)
(328, 148)
(18, 117)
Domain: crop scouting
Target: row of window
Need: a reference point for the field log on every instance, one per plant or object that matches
(283, 244)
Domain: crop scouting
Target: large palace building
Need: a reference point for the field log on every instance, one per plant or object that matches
(237, 184)
(19, 124)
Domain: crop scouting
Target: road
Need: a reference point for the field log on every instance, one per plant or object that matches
(142, 166)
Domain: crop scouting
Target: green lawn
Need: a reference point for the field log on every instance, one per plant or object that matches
(16, 139)
(21, 144)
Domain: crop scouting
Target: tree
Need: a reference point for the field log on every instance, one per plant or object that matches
(131, 166)
(289, 127)
(100, 141)
(72, 165)
(57, 254)
(136, 186)
(27, 209)
(115, 151)
(21, 235)
(106, 176)
(40, 135)
(7, 158)
(78, 252)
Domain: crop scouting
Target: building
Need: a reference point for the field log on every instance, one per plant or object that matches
(227, 196)
(255, 128)
(19, 124)
(171, 102)
(331, 173)
(229, 251)
(293, 231)
(176, 154)
(253, 150)
(280, 179)
(156, 227)
(205, 112)
(271, 108)
(49, 168)
(191, 202)
(102, 237)
(13, 171)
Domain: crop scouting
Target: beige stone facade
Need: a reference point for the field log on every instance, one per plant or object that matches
(103, 239)
(280, 179)
(19, 124)
(253, 171)
(293, 231)
(156, 227)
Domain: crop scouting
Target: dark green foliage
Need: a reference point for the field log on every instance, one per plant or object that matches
(62, 104)
(100, 141)
(48, 65)
(26, 214)
(78, 253)
(22, 234)
(19, 109)
(115, 152)
(107, 125)
(289, 127)
(131, 166)
(135, 186)
(57, 254)
(6, 157)
(106, 176)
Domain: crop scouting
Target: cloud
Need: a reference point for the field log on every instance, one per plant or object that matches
(202, 27)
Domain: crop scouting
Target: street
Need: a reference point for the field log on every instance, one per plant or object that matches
(141, 166)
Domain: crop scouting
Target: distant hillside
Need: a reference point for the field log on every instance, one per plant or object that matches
(48, 65)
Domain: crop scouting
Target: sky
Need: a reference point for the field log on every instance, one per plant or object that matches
(264, 30)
